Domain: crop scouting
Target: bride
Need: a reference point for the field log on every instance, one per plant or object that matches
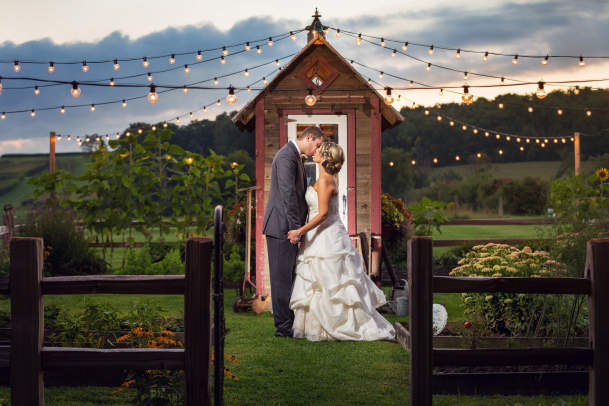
(332, 297)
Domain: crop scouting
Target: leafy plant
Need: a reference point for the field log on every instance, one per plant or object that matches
(427, 215)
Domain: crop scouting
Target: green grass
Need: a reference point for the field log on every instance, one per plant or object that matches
(280, 371)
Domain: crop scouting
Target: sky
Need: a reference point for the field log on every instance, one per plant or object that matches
(68, 30)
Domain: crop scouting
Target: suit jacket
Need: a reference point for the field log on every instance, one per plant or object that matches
(286, 207)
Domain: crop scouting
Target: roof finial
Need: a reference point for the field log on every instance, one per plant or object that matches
(316, 15)
(316, 26)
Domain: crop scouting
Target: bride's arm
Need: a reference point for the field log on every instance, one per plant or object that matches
(325, 190)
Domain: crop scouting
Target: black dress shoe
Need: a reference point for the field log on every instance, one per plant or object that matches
(284, 333)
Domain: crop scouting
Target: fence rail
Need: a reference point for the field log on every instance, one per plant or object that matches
(27, 357)
(424, 357)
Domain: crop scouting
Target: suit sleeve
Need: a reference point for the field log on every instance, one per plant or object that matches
(287, 172)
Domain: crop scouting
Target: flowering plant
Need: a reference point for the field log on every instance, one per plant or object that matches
(508, 313)
(394, 213)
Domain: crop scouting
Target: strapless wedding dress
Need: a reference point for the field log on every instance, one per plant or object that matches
(332, 297)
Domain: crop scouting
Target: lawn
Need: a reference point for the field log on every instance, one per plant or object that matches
(280, 371)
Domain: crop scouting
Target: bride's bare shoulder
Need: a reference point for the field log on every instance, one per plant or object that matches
(327, 183)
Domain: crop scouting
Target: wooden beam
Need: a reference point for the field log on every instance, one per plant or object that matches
(125, 284)
(453, 284)
(197, 321)
(512, 356)
(121, 358)
(27, 321)
(597, 270)
(420, 306)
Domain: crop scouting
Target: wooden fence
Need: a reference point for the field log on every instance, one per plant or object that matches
(423, 357)
(28, 358)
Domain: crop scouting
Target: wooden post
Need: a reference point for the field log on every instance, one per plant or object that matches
(598, 303)
(52, 153)
(197, 321)
(576, 152)
(219, 322)
(27, 322)
(376, 244)
(8, 220)
(420, 306)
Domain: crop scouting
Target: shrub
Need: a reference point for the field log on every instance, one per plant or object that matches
(528, 196)
(67, 251)
(515, 314)
(427, 215)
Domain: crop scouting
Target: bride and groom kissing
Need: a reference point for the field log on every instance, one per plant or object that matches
(319, 289)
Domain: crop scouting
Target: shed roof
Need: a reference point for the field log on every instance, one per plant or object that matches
(391, 117)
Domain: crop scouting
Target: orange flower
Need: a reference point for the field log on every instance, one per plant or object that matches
(123, 338)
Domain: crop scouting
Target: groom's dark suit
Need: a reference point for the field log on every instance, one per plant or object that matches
(286, 210)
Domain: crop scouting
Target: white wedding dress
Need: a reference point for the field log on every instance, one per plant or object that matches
(332, 297)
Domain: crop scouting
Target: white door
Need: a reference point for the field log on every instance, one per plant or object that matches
(334, 125)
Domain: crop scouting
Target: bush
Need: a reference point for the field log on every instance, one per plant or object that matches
(516, 314)
(528, 196)
(67, 251)
(427, 215)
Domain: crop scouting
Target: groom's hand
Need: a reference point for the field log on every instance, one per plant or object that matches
(294, 236)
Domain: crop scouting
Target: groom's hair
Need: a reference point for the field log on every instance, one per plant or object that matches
(313, 131)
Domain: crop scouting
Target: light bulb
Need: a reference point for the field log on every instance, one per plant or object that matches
(581, 61)
(428, 67)
(431, 50)
(388, 97)
(216, 81)
(518, 139)
(85, 67)
(515, 60)
(63, 110)
(464, 127)
(224, 51)
(498, 136)
(555, 140)
(58, 137)
(92, 108)
(544, 61)
(485, 57)
(249, 89)
(358, 40)
(411, 83)
(458, 54)
(231, 98)
(541, 93)
(507, 138)
(172, 59)
(69, 138)
(248, 46)
(149, 77)
(258, 49)
(116, 65)
(222, 60)
(486, 134)
(451, 123)
(521, 148)
(124, 103)
(270, 42)
(500, 152)
(405, 46)
(75, 92)
(199, 56)
(189, 160)
(394, 53)
(564, 141)
(16, 66)
(51, 67)
(467, 97)
(383, 42)
(152, 96)
(190, 115)
(293, 37)
(246, 72)
(588, 113)
(145, 62)
(277, 62)
(111, 81)
(559, 112)
(165, 124)
(381, 75)
(185, 89)
(33, 113)
(457, 158)
(439, 118)
(435, 160)
(576, 90)
(337, 33)
(310, 99)
(3, 116)
(0, 84)
(204, 109)
(186, 69)
(530, 109)
(500, 105)
(264, 80)
(413, 162)
(218, 103)
(465, 76)
(478, 155)
(426, 112)
(36, 90)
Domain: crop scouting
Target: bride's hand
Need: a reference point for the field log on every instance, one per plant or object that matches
(294, 236)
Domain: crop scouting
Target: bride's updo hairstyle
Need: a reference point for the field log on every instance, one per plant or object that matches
(332, 156)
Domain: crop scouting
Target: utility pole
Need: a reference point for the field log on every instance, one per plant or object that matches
(576, 152)
(52, 153)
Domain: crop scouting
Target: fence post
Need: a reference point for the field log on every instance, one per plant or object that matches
(8, 220)
(598, 303)
(420, 305)
(27, 322)
(218, 307)
(197, 321)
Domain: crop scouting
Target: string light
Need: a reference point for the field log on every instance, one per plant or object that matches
(199, 56)
(264, 80)
(222, 60)
(464, 127)
(485, 57)
(458, 54)
(457, 158)
(165, 124)
(51, 67)
(388, 97)
(475, 131)
(75, 92)
(559, 112)
(116, 65)
(381, 75)
(152, 95)
(111, 81)
(185, 89)
(530, 109)
(413, 162)
(190, 115)
(500, 105)
(588, 113)
(498, 136)
(486, 134)
(576, 90)
(521, 148)
(277, 62)
(452, 123)
(383, 42)
(394, 53)
(310, 99)
(17, 67)
(507, 138)
(249, 89)
(33, 113)
(478, 155)
(270, 42)
(186, 69)
(149, 77)
(465, 76)
(85, 67)
(426, 112)
(62, 110)
(172, 59)
(405, 46)
(544, 61)
(124, 103)
(145, 62)
(431, 50)
(216, 81)
(581, 61)
(358, 40)
(92, 108)
(218, 103)
(36, 90)
(439, 118)
(247, 47)
(541, 93)
(428, 68)
(435, 160)
(500, 152)
(293, 37)
(258, 49)
(246, 72)
(231, 98)
(467, 97)
(515, 60)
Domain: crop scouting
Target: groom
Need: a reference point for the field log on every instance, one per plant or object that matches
(287, 210)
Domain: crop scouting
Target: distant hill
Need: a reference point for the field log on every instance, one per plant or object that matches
(15, 169)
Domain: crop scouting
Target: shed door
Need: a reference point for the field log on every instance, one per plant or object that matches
(335, 127)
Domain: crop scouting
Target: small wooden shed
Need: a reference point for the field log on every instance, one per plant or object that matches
(348, 110)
